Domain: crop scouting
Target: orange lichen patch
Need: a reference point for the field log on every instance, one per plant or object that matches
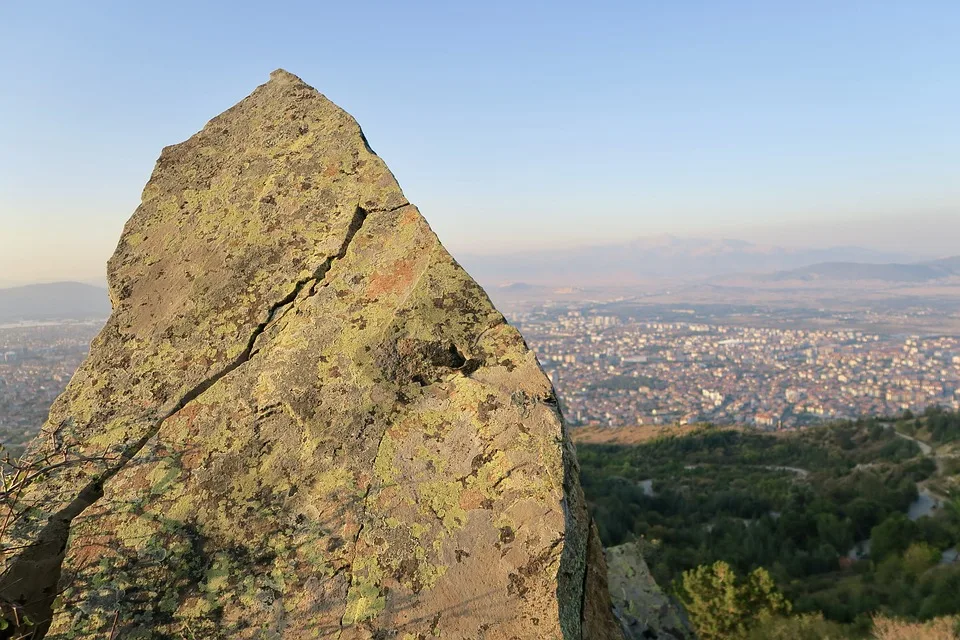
(410, 216)
(88, 550)
(398, 276)
(137, 477)
(471, 499)
(188, 414)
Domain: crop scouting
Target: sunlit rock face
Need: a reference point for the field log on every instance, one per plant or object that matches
(303, 418)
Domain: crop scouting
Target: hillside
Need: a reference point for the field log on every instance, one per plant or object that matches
(951, 264)
(850, 519)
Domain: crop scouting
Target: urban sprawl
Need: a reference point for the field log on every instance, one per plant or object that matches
(36, 362)
(614, 371)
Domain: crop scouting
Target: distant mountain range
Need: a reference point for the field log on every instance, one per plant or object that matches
(656, 258)
(54, 301)
(888, 272)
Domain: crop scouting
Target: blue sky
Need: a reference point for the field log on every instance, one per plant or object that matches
(512, 125)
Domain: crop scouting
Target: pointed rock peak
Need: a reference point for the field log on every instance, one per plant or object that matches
(303, 419)
(284, 76)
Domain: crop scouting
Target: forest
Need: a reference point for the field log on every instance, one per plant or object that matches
(840, 516)
(936, 426)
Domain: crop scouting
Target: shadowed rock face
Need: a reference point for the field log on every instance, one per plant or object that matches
(303, 418)
(646, 612)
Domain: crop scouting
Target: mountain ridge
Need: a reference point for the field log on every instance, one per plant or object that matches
(890, 271)
(63, 300)
(640, 259)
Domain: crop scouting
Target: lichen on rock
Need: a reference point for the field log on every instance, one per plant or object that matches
(303, 418)
(643, 608)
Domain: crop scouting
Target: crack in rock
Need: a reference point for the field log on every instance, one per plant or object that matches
(33, 576)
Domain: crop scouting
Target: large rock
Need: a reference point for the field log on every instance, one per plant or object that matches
(303, 418)
(645, 611)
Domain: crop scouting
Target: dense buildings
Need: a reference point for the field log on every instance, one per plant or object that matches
(36, 362)
(620, 371)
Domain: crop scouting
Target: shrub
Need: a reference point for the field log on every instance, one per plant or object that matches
(810, 626)
(722, 606)
(892, 629)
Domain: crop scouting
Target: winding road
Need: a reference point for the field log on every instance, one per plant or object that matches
(926, 449)
(927, 501)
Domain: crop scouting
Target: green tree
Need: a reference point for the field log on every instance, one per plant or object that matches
(908, 427)
(919, 557)
(835, 532)
(892, 536)
(722, 606)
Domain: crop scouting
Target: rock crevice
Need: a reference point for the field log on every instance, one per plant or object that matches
(31, 579)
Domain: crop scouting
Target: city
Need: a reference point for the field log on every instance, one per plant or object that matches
(616, 371)
(36, 362)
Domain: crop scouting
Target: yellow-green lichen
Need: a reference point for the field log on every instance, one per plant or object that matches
(163, 475)
(218, 575)
(333, 481)
(365, 598)
(384, 466)
(443, 500)
(427, 573)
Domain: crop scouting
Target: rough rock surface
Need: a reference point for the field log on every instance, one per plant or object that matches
(303, 418)
(645, 611)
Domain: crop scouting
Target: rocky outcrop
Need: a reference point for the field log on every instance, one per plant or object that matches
(645, 611)
(303, 418)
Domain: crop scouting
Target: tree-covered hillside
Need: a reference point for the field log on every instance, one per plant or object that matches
(849, 519)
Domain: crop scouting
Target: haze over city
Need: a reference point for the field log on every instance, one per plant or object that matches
(514, 127)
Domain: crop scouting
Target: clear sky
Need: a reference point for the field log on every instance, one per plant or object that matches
(511, 124)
